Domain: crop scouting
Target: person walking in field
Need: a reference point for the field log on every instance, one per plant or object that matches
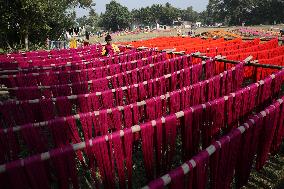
(109, 49)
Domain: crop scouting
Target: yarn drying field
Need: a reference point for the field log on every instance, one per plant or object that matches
(205, 113)
(173, 32)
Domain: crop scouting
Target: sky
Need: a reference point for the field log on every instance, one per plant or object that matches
(198, 5)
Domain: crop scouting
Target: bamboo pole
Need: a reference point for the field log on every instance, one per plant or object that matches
(222, 59)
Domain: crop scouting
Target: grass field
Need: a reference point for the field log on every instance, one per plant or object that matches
(173, 32)
(271, 176)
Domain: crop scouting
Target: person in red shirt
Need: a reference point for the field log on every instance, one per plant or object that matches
(109, 49)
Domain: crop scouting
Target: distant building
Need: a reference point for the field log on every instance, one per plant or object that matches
(162, 27)
(198, 24)
(182, 24)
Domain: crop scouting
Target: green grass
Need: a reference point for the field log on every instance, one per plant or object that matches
(272, 174)
(134, 37)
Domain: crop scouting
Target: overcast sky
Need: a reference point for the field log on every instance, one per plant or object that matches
(198, 5)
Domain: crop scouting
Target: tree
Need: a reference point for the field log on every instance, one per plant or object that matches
(234, 12)
(83, 21)
(34, 20)
(116, 17)
(169, 14)
(93, 18)
(90, 22)
(277, 8)
(189, 14)
(157, 13)
(214, 12)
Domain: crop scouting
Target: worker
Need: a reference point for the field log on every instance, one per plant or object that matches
(73, 43)
(178, 31)
(87, 38)
(109, 49)
(282, 32)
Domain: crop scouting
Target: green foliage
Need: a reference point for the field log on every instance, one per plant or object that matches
(30, 22)
(144, 16)
(91, 21)
(165, 15)
(234, 12)
(116, 17)
(168, 14)
(34, 20)
(231, 12)
(189, 14)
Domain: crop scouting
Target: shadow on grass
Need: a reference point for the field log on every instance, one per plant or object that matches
(272, 174)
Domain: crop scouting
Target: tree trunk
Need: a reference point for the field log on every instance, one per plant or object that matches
(27, 41)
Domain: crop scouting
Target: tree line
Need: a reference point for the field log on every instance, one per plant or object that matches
(26, 22)
(252, 12)
(117, 17)
(32, 21)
